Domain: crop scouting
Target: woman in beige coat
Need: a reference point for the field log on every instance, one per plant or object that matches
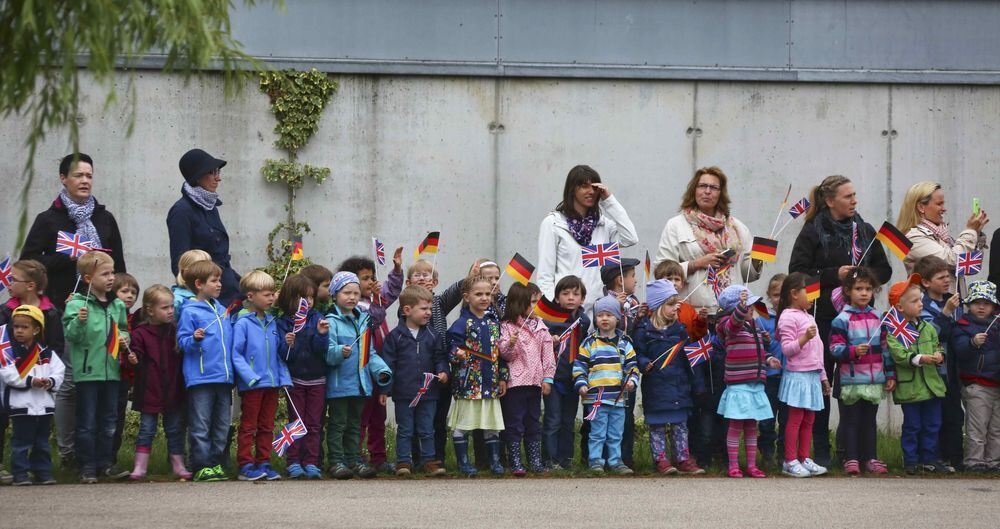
(922, 220)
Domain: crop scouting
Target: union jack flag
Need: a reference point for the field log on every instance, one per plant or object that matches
(969, 263)
(597, 405)
(855, 245)
(73, 244)
(900, 328)
(799, 208)
(288, 435)
(6, 274)
(301, 315)
(698, 352)
(379, 251)
(712, 278)
(6, 351)
(597, 255)
(428, 378)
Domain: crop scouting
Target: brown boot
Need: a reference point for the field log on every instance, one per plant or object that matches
(433, 468)
(403, 469)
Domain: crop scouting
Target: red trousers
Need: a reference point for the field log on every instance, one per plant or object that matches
(373, 430)
(253, 442)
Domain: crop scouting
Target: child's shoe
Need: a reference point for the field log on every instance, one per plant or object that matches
(6, 478)
(664, 467)
(21, 480)
(295, 471)
(876, 467)
(911, 470)
(403, 469)
(493, 451)
(113, 472)
(462, 457)
(313, 472)
(795, 469)
(204, 474)
(851, 467)
(88, 477)
(269, 473)
(514, 457)
(45, 479)
(250, 472)
(340, 471)
(141, 463)
(622, 469)
(181, 471)
(755, 472)
(533, 449)
(387, 468)
(365, 471)
(939, 467)
(689, 467)
(813, 468)
(735, 472)
(218, 474)
(596, 468)
(433, 468)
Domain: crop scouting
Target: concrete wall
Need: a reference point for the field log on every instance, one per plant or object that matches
(484, 159)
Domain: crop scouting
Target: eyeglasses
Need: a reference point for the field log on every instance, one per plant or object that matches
(425, 275)
(709, 187)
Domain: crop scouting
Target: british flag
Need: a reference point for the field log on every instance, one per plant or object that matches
(6, 274)
(292, 431)
(900, 328)
(855, 245)
(597, 405)
(567, 335)
(799, 208)
(969, 263)
(6, 351)
(379, 251)
(301, 315)
(73, 244)
(712, 278)
(597, 255)
(698, 352)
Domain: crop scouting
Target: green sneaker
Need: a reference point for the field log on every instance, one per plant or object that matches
(219, 474)
(205, 474)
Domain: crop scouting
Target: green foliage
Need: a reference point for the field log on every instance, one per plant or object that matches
(43, 45)
(279, 253)
(293, 174)
(297, 101)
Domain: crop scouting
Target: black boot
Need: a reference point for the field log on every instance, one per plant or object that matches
(534, 450)
(514, 457)
(493, 451)
(462, 457)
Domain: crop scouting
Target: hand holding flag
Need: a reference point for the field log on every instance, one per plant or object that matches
(301, 315)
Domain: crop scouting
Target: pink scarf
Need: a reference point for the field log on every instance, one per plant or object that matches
(939, 230)
(716, 234)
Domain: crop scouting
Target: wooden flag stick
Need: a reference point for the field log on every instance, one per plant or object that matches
(874, 240)
(780, 209)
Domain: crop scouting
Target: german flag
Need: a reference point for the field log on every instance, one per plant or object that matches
(550, 312)
(520, 269)
(812, 289)
(671, 354)
(364, 348)
(647, 264)
(28, 362)
(112, 344)
(764, 249)
(894, 240)
(479, 354)
(428, 245)
(297, 248)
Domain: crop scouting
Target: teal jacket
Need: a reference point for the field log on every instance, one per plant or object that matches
(344, 376)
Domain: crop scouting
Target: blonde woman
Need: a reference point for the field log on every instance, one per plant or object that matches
(922, 220)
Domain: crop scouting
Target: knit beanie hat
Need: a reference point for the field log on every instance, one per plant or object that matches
(341, 280)
(730, 297)
(658, 292)
(610, 304)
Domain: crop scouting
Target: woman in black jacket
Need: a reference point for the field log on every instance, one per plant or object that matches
(194, 222)
(823, 249)
(75, 210)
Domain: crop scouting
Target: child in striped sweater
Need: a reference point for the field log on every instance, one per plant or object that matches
(744, 401)
(604, 369)
(865, 371)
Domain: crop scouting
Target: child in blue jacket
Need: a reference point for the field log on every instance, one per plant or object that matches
(260, 372)
(205, 336)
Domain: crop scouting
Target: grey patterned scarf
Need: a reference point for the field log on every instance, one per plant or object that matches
(207, 200)
(80, 214)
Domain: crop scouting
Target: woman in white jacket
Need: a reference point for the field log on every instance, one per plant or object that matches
(703, 234)
(588, 214)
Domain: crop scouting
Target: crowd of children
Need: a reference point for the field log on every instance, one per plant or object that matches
(499, 379)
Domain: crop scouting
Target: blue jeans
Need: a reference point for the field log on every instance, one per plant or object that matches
(559, 427)
(29, 446)
(96, 415)
(921, 427)
(173, 430)
(606, 433)
(420, 419)
(209, 417)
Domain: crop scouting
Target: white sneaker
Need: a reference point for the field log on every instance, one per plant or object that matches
(794, 469)
(813, 468)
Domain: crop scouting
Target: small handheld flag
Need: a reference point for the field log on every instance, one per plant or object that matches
(764, 249)
(968, 264)
(6, 349)
(567, 336)
(799, 208)
(597, 255)
(364, 348)
(597, 405)
(648, 266)
(550, 312)
(698, 352)
(901, 329)
(112, 343)
(379, 251)
(812, 289)
(301, 315)
(287, 436)
(297, 248)
(6, 274)
(428, 245)
(428, 378)
(894, 240)
(668, 355)
(855, 245)
(28, 362)
(520, 269)
(73, 244)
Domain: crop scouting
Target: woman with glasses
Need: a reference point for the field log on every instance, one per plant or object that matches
(194, 222)
(705, 235)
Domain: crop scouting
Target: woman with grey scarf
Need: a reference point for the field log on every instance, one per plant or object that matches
(194, 222)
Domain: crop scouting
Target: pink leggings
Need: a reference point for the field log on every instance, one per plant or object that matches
(798, 433)
(748, 427)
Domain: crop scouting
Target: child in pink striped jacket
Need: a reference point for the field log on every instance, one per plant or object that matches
(526, 346)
